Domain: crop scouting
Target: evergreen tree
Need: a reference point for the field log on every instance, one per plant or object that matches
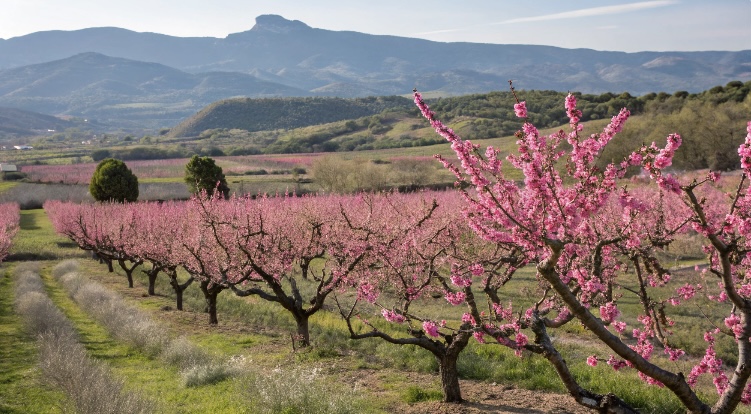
(202, 173)
(113, 181)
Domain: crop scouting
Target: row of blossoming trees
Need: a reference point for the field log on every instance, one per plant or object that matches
(9, 223)
(591, 241)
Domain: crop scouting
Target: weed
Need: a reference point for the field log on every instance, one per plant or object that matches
(299, 391)
(414, 394)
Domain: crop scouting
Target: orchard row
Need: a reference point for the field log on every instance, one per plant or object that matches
(9, 222)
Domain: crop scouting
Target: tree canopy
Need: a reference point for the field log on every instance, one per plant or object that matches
(202, 173)
(113, 181)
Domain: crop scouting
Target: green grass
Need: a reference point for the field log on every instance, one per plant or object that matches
(150, 376)
(22, 389)
(37, 240)
(415, 394)
(7, 185)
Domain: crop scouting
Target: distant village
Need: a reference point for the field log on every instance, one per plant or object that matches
(18, 147)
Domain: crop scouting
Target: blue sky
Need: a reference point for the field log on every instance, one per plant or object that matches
(603, 25)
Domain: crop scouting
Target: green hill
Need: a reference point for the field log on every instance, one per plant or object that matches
(299, 125)
(283, 113)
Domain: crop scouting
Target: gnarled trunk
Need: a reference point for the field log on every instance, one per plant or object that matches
(210, 294)
(178, 288)
(128, 270)
(302, 340)
(152, 274)
(449, 378)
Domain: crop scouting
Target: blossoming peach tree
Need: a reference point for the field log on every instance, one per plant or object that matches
(594, 242)
(9, 224)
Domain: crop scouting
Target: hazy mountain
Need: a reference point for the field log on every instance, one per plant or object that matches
(17, 122)
(56, 72)
(124, 92)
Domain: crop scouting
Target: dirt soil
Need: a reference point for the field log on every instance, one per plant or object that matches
(480, 397)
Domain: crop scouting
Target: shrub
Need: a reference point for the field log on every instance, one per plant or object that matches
(299, 391)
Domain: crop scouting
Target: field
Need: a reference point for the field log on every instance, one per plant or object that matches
(355, 376)
(151, 357)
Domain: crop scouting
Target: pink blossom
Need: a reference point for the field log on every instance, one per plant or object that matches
(476, 269)
(619, 326)
(734, 323)
(521, 109)
(609, 312)
(430, 328)
(461, 281)
(468, 318)
(393, 316)
(592, 361)
(673, 353)
(479, 336)
(368, 292)
(686, 291)
(521, 340)
(616, 363)
(456, 298)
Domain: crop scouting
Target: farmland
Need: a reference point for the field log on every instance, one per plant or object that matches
(344, 297)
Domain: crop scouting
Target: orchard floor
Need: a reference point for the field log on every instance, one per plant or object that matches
(480, 397)
(383, 386)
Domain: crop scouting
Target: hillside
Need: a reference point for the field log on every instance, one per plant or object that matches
(19, 123)
(275, 113)
(248, 126)
(154, 81)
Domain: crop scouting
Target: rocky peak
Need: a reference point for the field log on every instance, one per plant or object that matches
(277, 24)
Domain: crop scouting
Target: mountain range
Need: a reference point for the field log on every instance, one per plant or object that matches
(148, 80)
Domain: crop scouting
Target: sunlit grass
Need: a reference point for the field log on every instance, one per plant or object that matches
(22, 388)
(7, 185)
(150, 375)
(37, 240)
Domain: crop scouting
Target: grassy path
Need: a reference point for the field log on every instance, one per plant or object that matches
(21, 387)
(152, 377)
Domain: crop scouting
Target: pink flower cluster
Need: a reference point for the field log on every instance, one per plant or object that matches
(609, 312)
(455, 298)
(665, 158)
(709, 364)
(430, 328)
(734, 323)
(521, 109)
(392, 316)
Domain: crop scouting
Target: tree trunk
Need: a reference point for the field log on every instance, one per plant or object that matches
(128, 270)
(178, 288)
(210, 293)
(152, 280)
(303, 332)
(211, 303)
(449, 378)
